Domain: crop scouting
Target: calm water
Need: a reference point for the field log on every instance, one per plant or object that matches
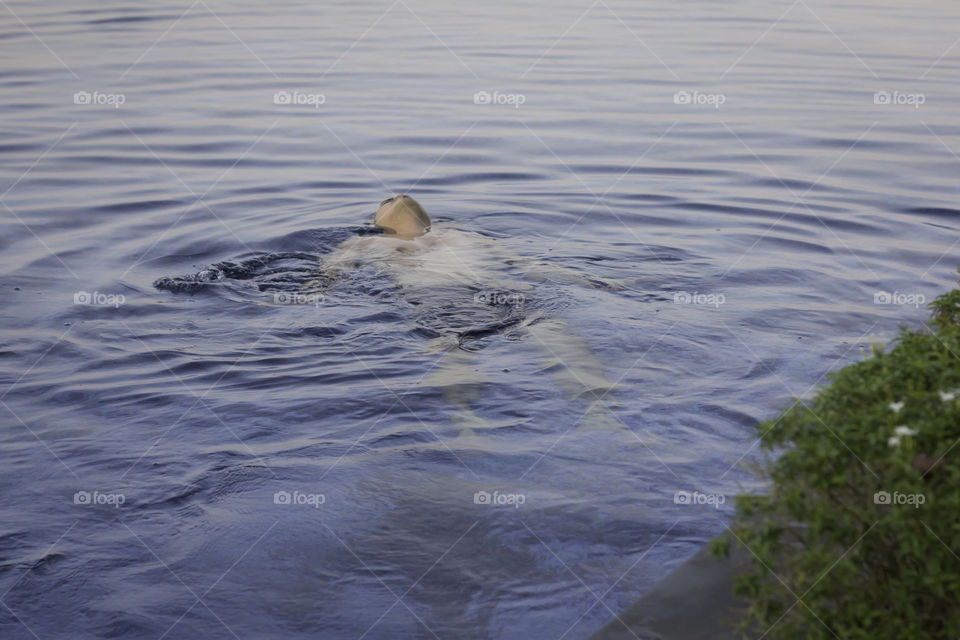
(624, 154)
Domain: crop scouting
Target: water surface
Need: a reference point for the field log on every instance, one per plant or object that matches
(639, 155)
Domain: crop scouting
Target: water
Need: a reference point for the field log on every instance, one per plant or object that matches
(774, 192)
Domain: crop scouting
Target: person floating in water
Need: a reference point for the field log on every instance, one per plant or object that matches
(433, 266)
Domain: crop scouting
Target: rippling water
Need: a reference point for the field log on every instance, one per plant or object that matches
(602, 163)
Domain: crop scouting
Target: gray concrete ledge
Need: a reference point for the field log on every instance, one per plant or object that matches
(694, 602)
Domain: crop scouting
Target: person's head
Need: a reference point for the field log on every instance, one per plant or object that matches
(402, 216)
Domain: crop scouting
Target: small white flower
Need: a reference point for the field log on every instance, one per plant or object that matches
(904, 430)
(947, 396)
(894, 441)
(896, 406)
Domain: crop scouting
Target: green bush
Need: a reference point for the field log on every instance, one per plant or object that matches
(859, 535)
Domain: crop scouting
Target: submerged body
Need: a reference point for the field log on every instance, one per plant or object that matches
(462, 286)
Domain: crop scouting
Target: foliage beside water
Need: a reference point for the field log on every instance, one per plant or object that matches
(859, 535)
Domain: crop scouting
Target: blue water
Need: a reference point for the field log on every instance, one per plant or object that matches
(633, 152)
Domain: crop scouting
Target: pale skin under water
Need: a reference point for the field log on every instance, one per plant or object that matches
(445, 258)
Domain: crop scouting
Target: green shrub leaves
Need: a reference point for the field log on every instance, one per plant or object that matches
(859, 535)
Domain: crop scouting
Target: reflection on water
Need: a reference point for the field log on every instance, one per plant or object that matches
(654, 225)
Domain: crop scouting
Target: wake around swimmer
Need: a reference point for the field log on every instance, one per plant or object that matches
(463, 289)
